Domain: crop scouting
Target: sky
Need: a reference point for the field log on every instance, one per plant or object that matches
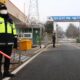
(52, 8)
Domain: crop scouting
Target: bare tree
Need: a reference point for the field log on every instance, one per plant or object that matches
(72, 31)
(60, 32)
(49, 27)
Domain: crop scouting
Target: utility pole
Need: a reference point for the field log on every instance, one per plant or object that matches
(79, 29)
(57, 33)
(33, 15)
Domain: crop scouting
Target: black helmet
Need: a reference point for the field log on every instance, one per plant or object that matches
(2, 6)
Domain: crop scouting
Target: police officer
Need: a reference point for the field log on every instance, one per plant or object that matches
(7, 32)
(54, 39)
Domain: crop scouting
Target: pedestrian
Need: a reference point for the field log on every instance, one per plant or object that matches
(7, 35)
(53, 39)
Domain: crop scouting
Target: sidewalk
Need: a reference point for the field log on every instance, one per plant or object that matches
(20, 57)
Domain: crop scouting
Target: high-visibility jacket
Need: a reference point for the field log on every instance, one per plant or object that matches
(10, 27)
(7, 31)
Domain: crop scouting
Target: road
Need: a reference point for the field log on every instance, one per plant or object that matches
(60, 63)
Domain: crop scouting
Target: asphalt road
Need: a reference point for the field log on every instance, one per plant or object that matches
(60, 63)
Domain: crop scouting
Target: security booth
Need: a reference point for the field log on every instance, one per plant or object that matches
(36, 36)
(37, 31)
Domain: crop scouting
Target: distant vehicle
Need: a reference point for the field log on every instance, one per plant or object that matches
(25, 35)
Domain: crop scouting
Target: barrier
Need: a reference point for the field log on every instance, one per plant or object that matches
(25, 44)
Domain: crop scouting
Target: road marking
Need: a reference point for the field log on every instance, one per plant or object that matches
(76, 46)
(24, 64)
(28, 61)
(37, 51)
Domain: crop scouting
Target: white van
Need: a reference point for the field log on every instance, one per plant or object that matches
(25, 35)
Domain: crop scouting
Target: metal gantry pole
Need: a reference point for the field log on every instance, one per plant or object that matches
(79, 29)
(53, 26)
(56, 32)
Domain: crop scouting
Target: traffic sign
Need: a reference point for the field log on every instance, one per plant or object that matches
(65, 18)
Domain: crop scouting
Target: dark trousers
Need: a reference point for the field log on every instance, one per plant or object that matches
(54, 44)
(7, 49)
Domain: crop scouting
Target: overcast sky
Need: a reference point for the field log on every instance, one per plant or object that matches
(52, 8)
